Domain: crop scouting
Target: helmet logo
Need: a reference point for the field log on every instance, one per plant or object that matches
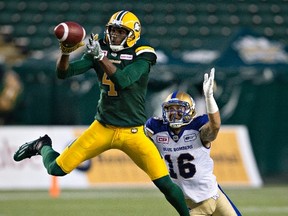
(137, 26)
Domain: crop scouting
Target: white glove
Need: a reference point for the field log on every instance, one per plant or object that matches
(208, 84)
(94, 48)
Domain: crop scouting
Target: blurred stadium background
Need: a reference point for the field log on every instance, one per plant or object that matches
(246, 40)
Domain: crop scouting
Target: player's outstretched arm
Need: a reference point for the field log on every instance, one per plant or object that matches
(210, 130)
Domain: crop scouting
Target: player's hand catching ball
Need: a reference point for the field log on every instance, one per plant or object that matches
(70, 36)
(66, 50)
(93, 47)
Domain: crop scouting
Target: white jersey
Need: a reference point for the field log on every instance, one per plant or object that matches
(189, 162)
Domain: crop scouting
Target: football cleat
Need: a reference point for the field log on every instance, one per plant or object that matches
(32, 148)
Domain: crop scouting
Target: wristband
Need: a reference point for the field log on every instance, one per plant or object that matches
(211, 105)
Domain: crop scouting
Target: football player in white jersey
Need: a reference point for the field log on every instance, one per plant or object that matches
(184, 141)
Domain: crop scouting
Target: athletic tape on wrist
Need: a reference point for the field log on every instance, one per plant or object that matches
(211, 105)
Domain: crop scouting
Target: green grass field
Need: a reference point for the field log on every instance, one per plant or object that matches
(266, 201)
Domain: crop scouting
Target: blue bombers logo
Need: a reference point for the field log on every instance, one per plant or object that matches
(190, 137)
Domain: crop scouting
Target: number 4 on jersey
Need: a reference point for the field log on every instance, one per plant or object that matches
(106, 81)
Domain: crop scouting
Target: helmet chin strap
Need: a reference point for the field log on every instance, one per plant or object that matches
(178, 123)
(175, 125)
(116, 48)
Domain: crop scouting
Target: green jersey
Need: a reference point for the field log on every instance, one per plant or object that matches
(122, 96)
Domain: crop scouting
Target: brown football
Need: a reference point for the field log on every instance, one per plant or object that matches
(69, 33)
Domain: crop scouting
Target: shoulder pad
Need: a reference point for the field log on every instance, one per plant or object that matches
(198, 122)
(146, 52)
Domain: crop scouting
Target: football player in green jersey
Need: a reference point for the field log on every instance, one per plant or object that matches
(122, 68)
